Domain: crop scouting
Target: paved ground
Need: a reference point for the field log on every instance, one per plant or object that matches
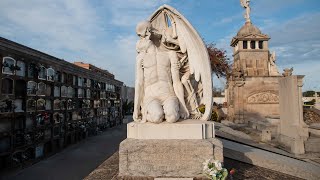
(77, 161)
(109, 170)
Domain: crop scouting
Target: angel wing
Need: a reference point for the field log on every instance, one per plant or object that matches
(191, 44)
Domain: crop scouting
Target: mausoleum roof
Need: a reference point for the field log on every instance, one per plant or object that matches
(247, 29)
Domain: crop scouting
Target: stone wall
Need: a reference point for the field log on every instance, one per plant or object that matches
(252, 62)
(256, 97)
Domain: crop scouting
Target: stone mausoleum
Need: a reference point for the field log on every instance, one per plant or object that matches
(262, 98)
(253, 88)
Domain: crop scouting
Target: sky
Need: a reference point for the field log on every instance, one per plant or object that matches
(102, 32)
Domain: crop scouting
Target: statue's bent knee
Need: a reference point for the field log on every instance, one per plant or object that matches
(155, 112)
(156, 117)
(171, 110)
(171, 118)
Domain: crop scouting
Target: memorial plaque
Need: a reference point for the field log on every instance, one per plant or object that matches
(166, 158)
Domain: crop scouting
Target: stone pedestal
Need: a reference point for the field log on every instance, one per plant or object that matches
(168, 150)
(166, 158)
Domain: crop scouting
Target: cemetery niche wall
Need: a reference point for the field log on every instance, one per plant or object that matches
(47, 103)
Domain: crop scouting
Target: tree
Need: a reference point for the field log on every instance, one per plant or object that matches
(220, 63)
(309, 94)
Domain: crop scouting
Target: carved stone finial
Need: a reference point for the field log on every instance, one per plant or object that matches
(273, 69)
(246, 4)
(287, 72)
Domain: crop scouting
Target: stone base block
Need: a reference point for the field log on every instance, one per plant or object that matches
(184, 129)
(313, 145)
(296, 145)
(167, 158)
(266, 135)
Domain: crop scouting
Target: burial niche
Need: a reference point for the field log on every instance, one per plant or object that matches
(18, 104)
(64, 91)
(56, 91)
(70, 92)
(63, 104)
(21, 68)
(41, 105)
(32, 73)
(80, 93)
(7, 86)
(8, 65)
(56, 104)
(41, 89)
(6, 105)
(31, 88)
(48, 104)
(42, 74)
(88, 93)
(31, 105)
(50, 74)
(20, 90)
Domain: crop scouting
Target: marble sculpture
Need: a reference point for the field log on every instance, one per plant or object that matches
(246, 4)
(273, 69)
(173, 73)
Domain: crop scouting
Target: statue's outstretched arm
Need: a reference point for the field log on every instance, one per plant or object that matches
(177, 84)
(138, 90)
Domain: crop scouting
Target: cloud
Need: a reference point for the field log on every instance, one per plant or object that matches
(229, 19)
(296, 43)
(129, 12)
(103, 32)
(78, 30)
(56, 25)
(264, 8)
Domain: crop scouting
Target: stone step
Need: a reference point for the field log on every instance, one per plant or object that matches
(269, 160)
(312, 145)
(314, 132)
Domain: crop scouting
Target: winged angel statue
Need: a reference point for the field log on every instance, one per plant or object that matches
(173, 75)
(246, 4)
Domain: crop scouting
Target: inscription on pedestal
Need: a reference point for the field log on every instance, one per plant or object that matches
(164, 158)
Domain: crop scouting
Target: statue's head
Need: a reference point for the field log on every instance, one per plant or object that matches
(143, 28)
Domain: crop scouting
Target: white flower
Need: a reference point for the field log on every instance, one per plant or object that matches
(213, 173)
(215, 165)
(218, 165)
(205, 167)
(206, 162)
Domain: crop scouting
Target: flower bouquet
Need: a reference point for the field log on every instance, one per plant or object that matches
(213, 170)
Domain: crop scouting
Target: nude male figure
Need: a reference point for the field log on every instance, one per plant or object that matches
(158, 89)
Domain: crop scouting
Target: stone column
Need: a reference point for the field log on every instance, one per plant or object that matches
(249, 44)
(257, 44)
(265, 44)
(293, 130)
(240, 45)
